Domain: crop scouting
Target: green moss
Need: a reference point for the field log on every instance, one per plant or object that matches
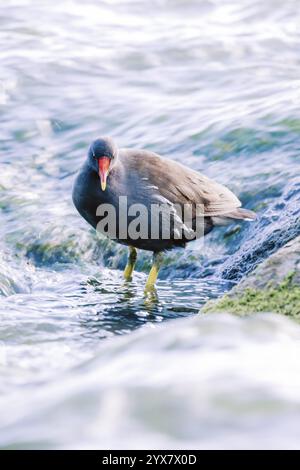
(241, 140)
(48, 253)
(292, 124)
(284, 299)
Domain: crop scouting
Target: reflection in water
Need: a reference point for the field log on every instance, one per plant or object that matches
(123, 306)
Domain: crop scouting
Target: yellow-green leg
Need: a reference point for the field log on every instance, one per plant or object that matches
(130, 263)
(157, 262)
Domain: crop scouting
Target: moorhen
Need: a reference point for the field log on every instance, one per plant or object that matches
(147, 180)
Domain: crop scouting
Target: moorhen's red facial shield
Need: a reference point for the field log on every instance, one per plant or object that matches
(104, 164)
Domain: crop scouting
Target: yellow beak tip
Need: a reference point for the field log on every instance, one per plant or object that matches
(103, 186)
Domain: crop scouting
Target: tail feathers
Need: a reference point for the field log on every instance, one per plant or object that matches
(237, 214)
(242, 214)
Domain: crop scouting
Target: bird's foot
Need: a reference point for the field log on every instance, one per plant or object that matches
(150, 298)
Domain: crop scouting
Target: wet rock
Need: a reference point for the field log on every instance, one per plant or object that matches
(276, 227)
(276, 269)
(274, 286)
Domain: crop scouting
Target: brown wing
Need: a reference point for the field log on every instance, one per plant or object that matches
(181, 185)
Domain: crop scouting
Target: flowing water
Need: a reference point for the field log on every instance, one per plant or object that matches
(213, 84)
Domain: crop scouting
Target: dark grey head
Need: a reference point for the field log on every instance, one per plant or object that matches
(103, 147)
(102, 154)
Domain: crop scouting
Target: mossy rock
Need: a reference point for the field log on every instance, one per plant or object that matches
(284, 299)
(274, 286)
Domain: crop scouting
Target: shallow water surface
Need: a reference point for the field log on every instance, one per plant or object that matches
(213, 84)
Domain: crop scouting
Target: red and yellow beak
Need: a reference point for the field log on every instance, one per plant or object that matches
(104, 163)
